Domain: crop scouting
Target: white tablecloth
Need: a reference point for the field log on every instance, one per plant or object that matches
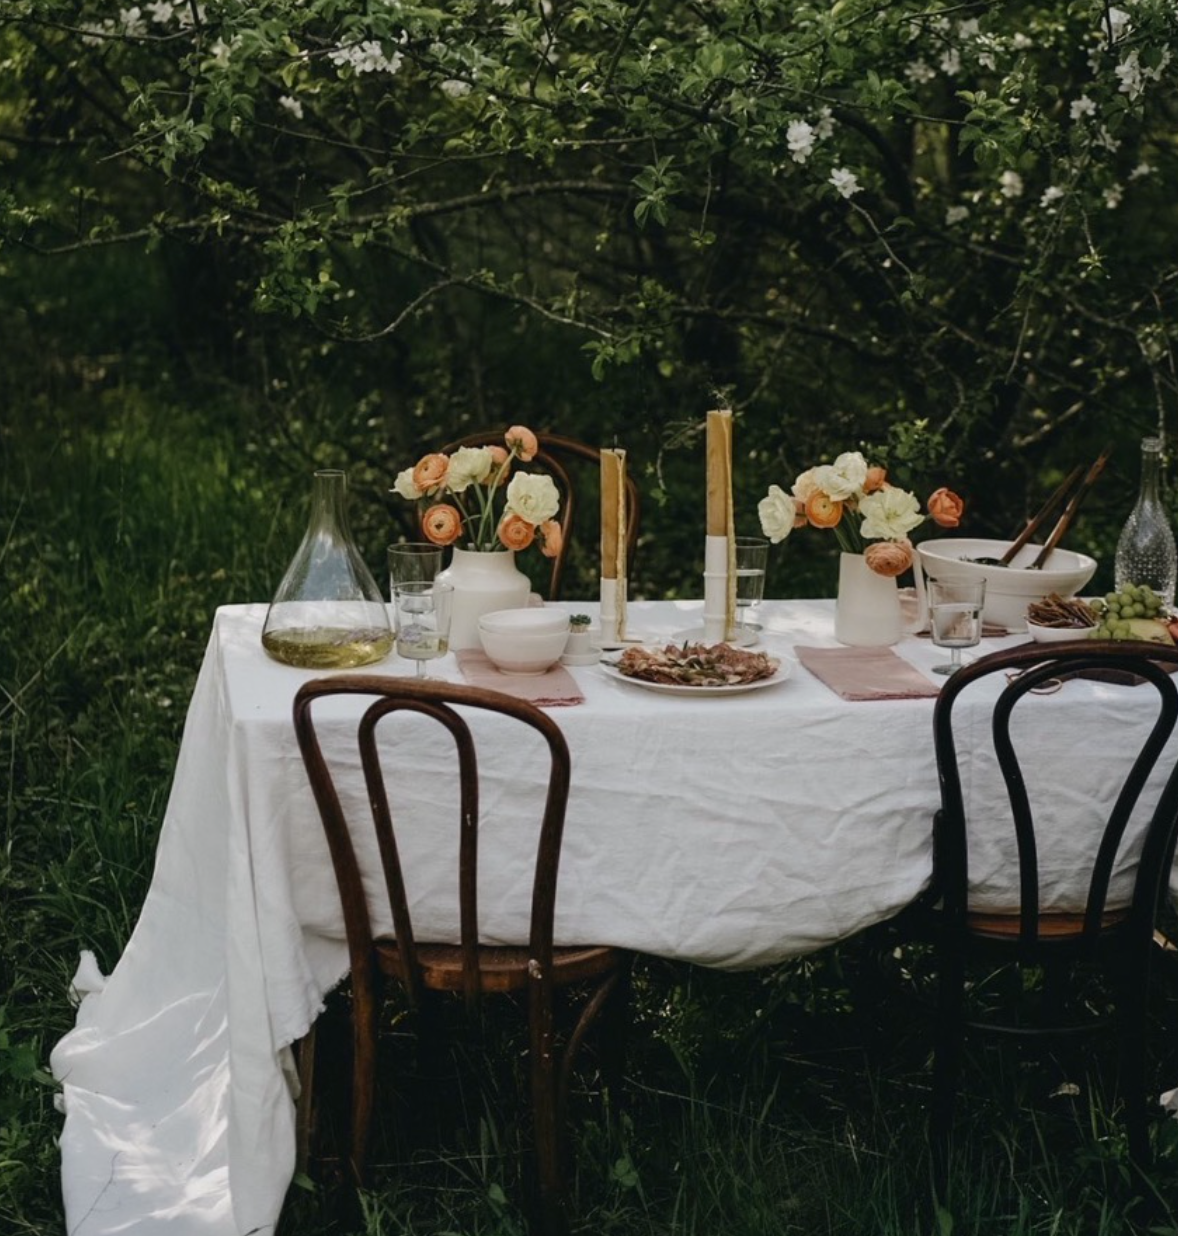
(733, 832)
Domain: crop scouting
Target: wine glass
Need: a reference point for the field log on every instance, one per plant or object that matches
(413, 560)
(422, 610)
(955, 615)
(752, 556)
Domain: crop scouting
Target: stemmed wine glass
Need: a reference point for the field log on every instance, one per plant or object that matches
(752, 556)
(413, 560)
(955, 615)
(422, 609)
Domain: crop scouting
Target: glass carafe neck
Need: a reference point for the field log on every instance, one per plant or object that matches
(329, 491)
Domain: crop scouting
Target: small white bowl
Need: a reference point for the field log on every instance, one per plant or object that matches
(535, 618)
(1058, 635)
(520, 644)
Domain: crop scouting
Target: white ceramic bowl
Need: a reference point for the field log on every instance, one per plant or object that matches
(1009, 590)
(524, 642)
(1058, 635)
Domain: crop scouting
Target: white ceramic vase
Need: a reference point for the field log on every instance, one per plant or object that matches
(482, 583)
(867, 612)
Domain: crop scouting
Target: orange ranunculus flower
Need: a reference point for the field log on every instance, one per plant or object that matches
(516, 533)
(442, 524)
(522, 442)
(822, 510)
(889, 558)
(876, 477)
(946, 508)
(499, 457)
(553, 538)
(429, 474)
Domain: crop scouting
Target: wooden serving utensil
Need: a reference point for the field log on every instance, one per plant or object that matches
(1069, 511)
(1033, 523)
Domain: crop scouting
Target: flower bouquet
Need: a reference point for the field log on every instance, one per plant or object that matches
(856, 500)
(473, 499)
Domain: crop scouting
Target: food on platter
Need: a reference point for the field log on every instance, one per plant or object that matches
(1059, 612)
(696, 665)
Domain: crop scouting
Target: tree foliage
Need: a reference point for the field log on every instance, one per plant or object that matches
(942, 230)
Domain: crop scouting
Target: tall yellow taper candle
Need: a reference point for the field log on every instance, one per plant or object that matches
(613, 543)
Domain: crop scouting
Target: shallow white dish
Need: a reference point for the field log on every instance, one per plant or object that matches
(1058, 635)
(1009, 590)
(677, 688)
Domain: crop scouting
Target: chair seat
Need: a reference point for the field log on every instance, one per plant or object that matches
(501, 968)
(1051, 926)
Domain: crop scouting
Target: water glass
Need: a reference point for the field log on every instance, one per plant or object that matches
(955, 616)
(752, 557)
(422, 610)
(413, 562)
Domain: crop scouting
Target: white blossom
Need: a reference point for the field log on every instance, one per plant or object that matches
(1141, 170)
(845, 181)
(956, 214)
(825, 126)
(1011, 184)
(162, 12)
(1021, 42)
(889, 514)
(1120, 23)
(366, 57)
(132, 21)
(842, 479)
(776, 511)
(452, 88)
(951, 62)
(1112, 196)
(1081, 107)
(1050, 196)
(799, 137)
(292, 105)
(1105, 138)
(919, 72)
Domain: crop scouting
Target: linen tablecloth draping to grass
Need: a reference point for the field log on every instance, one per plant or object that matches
(732, 832)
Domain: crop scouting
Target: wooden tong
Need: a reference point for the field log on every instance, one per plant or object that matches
(1069, 511)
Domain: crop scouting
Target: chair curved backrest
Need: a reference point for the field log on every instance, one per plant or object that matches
(554, 456)
(1032, 668)
(440, 703)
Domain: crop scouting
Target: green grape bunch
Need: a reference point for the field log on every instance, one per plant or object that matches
(1119, 611)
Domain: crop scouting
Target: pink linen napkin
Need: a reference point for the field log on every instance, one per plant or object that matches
(866, 673)
(553, 688)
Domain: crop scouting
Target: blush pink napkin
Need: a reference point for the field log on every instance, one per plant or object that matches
(866, 673)
(553, 688)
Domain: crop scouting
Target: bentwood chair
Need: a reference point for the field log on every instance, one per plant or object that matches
(558, 457)
(1109, 934)
(470, 968)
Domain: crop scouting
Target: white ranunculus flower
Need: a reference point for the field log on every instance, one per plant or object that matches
(805, 485)
(889, 514)
(532, 497)
(844, 478)
(469, 465)
(404, 487)
(776, 510)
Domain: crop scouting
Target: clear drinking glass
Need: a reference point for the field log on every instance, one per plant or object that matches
(955, 616)
(752, 557)
(422, 609)
(413, 561)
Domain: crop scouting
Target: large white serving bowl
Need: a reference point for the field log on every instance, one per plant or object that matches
(524, 642)
(1009, 590)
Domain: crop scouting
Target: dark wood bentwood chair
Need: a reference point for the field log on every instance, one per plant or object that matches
(471, 968)
(554, 457)
(1119, 933)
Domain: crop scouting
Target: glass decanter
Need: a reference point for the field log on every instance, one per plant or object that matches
(328, 612)
(1145, 552)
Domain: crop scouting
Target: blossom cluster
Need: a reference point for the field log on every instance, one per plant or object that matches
(463, 491)
(856, 500)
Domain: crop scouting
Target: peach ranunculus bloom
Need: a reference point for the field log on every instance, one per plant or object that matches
(429, 474)
(522, 442)
(822, 510)
(552, 538)
(945, 507)
(500, 456)
(442, 524)
(889, 558)
(876, 479)
(516, 533)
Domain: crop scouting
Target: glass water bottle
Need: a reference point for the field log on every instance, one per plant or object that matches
(1145, 552)
(328, 612)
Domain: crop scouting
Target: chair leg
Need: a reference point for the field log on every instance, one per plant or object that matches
(365, 1010)
(306, 1109)
(1132, 1010)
